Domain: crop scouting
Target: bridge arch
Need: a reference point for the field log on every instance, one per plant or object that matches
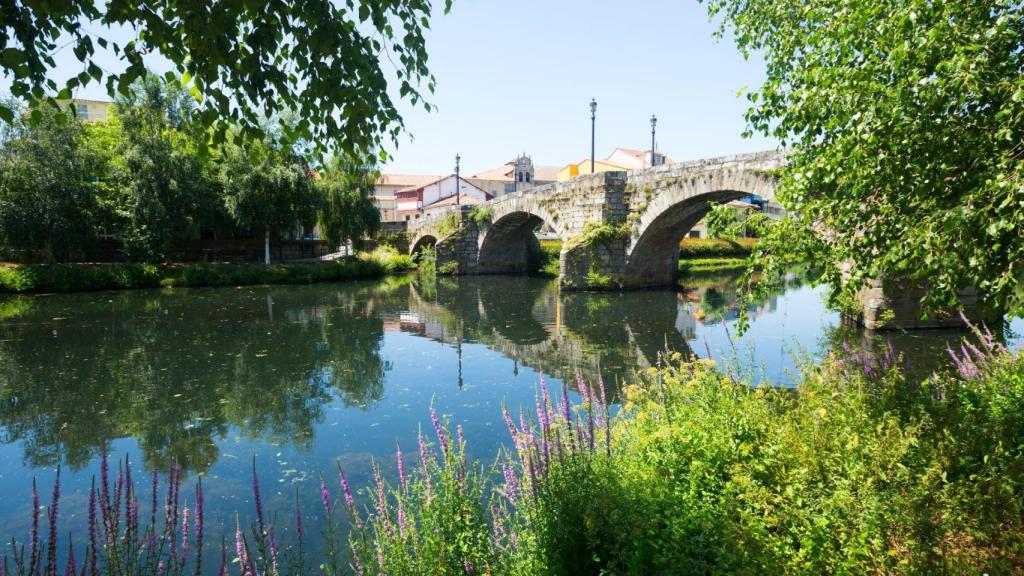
(505, 244)
(423, 241)
(652, 258)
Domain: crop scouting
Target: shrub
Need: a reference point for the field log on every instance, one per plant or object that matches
(545, 260)
(449, 268)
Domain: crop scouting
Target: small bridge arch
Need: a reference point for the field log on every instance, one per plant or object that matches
(507, 240)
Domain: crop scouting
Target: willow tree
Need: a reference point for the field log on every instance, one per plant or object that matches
(267, 191)
(347, 212)
(906, 124)
(329, 62)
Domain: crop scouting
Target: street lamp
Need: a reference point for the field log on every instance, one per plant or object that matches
(654, 122)
(593, 115)
(458, 186)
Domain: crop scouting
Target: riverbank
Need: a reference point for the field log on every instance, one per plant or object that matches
(47, 278)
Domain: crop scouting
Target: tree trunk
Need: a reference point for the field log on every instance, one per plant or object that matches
(266, 247)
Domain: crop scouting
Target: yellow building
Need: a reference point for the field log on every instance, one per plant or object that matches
(89, 110)
(583, 167)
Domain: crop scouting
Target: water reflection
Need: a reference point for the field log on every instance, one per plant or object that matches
(176, 370)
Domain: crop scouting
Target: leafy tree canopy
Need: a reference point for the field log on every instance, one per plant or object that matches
(247, 61)
(47, 196)
(348, 212)
(906, 122)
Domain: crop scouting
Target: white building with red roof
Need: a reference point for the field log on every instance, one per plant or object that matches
(415, 202)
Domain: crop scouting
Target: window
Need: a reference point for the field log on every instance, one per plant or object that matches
(694, 233)
(83, 111)
(510, 188)
(527, 176)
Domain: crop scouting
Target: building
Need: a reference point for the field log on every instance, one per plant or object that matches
(89, 110)
(620, 159)
(514, 175)
(415, 202)
(388, 185)
(582, 167)
(637, 159)
(517, 174)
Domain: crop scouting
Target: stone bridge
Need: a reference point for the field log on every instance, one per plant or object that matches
(618, 229)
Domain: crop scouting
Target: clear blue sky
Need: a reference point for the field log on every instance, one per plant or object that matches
(518, 76)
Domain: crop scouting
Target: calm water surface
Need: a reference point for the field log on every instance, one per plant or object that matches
(303, 376)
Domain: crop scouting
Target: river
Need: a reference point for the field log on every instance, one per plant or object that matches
(299, 377)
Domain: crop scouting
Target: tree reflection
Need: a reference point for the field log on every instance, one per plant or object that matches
(179, 370)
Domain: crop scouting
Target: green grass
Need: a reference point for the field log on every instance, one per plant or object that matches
(699, 266)
(711, 248)
(36, 278)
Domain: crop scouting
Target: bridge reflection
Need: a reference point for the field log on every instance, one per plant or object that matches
(529, 321)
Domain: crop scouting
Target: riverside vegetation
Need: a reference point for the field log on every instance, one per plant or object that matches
(23, 278)
(860, 469)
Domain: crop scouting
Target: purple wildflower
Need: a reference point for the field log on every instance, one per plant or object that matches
(511, 481)
(256, 495)
(223, 571)
(92, 552)
(545, 397)
(542, 415)
(382, 503)
(105, 489)
(51, 553)
(272, 540)
(566, 406)
(468, 566)
(346, 491)
(442, 438)
(401, 467)
(71, 567)
(160, 569)
(460, 436)
(582, 387)
(325, 496)
(185, 517)
(402, 521)
(199, 525)
(511, 425)
(425, 463)
(240, 551)
(357, 565)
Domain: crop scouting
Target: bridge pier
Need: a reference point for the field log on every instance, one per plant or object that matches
(894, 305)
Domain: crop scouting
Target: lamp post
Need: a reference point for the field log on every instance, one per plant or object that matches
(458, 186)
(593, 115)
(654, 122)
